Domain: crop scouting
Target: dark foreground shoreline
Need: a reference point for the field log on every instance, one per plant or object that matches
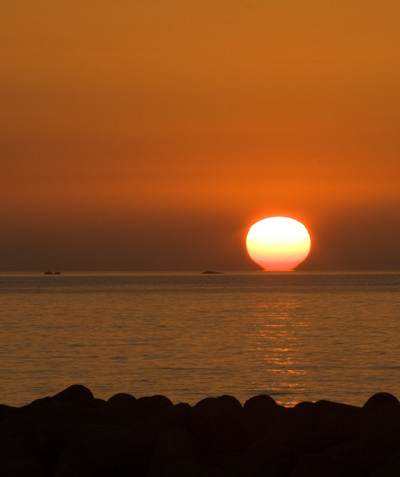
(75, 434)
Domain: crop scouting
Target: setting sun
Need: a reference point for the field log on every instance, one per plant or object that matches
(278, 243)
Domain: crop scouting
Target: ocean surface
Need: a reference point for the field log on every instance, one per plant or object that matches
(295, 336)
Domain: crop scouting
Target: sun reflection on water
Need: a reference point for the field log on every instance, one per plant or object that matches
(274, 341)
(296, 337)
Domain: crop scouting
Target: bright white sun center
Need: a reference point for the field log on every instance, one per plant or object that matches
(278, 243)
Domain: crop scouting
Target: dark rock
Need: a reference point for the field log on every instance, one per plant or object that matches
(174, 445)
(390, 469)
(37, 405)
(329, 423)
(380, 412)
(124, 400)
(72, 463)
(76, 394)
(218, 424)
(121, 409)
(305, 408)
(308, 429)
(22, 445)
(183, 468)
(261, 459)
(74, 434)
(172, 416)
(113, 450)
(98, 403)
(260, 405)
(382, 401)
(22, 467)
(7, 410)
(260, 413)
(324, 407)
(151, 405)
(355, 458)
(331, 407)
(60, 419)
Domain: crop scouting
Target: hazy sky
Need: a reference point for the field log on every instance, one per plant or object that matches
(150, 135)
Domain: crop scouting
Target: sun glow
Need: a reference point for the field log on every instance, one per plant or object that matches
(278, 243)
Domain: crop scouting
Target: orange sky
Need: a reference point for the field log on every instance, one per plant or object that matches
(151, 135)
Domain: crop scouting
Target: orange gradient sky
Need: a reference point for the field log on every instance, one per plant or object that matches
(152, 135)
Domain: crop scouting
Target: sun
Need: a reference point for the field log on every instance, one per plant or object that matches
(278, 243)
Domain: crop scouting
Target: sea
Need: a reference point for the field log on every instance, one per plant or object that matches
(295, 336)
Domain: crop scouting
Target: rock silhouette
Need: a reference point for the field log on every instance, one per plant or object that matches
(75, 434)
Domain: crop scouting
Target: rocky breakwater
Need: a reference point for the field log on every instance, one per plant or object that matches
(75, 434)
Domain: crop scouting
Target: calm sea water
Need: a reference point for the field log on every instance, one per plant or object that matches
(295, 336)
